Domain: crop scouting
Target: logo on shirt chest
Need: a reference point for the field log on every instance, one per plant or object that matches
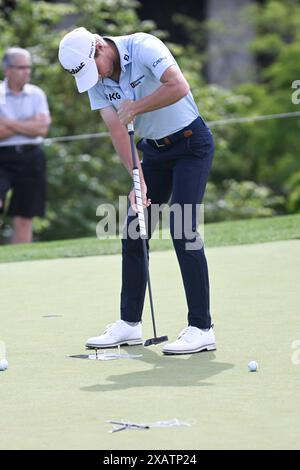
(113, 96)
(137, 82)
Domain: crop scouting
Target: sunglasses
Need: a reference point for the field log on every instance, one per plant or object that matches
(21, 67)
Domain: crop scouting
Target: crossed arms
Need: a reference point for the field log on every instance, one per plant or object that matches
(36, 125)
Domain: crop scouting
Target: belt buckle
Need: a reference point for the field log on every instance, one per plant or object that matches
(158, 145)
(18, 148)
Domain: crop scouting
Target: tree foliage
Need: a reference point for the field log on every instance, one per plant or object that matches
(265, 152)
(84, 174)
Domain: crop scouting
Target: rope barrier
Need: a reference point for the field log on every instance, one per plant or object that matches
(221, 122)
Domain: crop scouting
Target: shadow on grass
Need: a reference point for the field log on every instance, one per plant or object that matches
(167, 371)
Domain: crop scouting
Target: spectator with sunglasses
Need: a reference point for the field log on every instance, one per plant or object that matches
(24, 121)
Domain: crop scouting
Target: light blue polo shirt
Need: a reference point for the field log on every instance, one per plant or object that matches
(32, 100)
(144, 59)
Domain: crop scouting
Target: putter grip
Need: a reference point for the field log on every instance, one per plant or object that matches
(130, 127)
(139, 201)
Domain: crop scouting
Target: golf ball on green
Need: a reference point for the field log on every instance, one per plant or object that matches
(3, 364)
(253, 366)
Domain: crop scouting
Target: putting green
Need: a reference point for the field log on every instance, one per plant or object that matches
(49, 401)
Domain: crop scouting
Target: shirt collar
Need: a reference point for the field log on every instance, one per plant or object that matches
(25, 91)
(121, 44)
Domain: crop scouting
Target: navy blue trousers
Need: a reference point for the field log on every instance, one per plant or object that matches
(175, 174)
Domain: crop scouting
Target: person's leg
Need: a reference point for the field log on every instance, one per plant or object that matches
(5, 184)
(190, 176)
(22, 230)
(158, 179)
(2, 195)
(28, 199)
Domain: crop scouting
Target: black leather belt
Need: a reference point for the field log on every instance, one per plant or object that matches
(173, 138)
(19, 148)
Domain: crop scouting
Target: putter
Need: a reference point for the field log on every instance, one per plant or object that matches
(143, 233)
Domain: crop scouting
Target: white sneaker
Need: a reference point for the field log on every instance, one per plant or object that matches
(117, 333)
(192, 340)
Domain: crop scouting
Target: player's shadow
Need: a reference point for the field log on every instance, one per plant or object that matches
(179, 371)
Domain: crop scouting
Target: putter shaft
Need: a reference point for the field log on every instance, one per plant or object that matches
(138, 192)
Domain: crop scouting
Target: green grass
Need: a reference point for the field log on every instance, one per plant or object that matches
(50, 401)
(216, 234)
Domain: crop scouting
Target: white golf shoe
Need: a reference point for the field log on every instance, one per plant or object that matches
(117, 334)
(192, 340)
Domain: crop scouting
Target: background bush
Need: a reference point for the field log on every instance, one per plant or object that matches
(256, 172)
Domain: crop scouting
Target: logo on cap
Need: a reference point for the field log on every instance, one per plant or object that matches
(76, 69)
(92, 50)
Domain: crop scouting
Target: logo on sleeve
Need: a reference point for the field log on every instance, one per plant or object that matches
(76, 69)
(158, 61)
(137, 82)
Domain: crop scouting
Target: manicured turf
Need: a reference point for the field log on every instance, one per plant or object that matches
(217, 234)
(49, 401)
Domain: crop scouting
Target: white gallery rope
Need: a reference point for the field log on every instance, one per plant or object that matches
(221, 122)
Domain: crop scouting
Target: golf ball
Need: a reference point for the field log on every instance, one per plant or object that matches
(3, 364)
(252, 366)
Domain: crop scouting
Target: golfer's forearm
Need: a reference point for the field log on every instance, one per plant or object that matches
(122, 146)
(120, 139)
(5, 132)
(127, 162)
(168, 93)
(32, 128)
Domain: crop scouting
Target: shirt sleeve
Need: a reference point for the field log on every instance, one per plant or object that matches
(2, 97)
(41, 103)
(155, 55)
(97, 98)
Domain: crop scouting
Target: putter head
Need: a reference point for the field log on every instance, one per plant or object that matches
(156, 340)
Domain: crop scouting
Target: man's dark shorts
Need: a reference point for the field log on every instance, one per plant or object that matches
(23, 169)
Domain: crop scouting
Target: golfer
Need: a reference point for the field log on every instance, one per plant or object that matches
(136, 78)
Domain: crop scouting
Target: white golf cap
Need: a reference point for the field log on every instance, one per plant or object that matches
(76, 55)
